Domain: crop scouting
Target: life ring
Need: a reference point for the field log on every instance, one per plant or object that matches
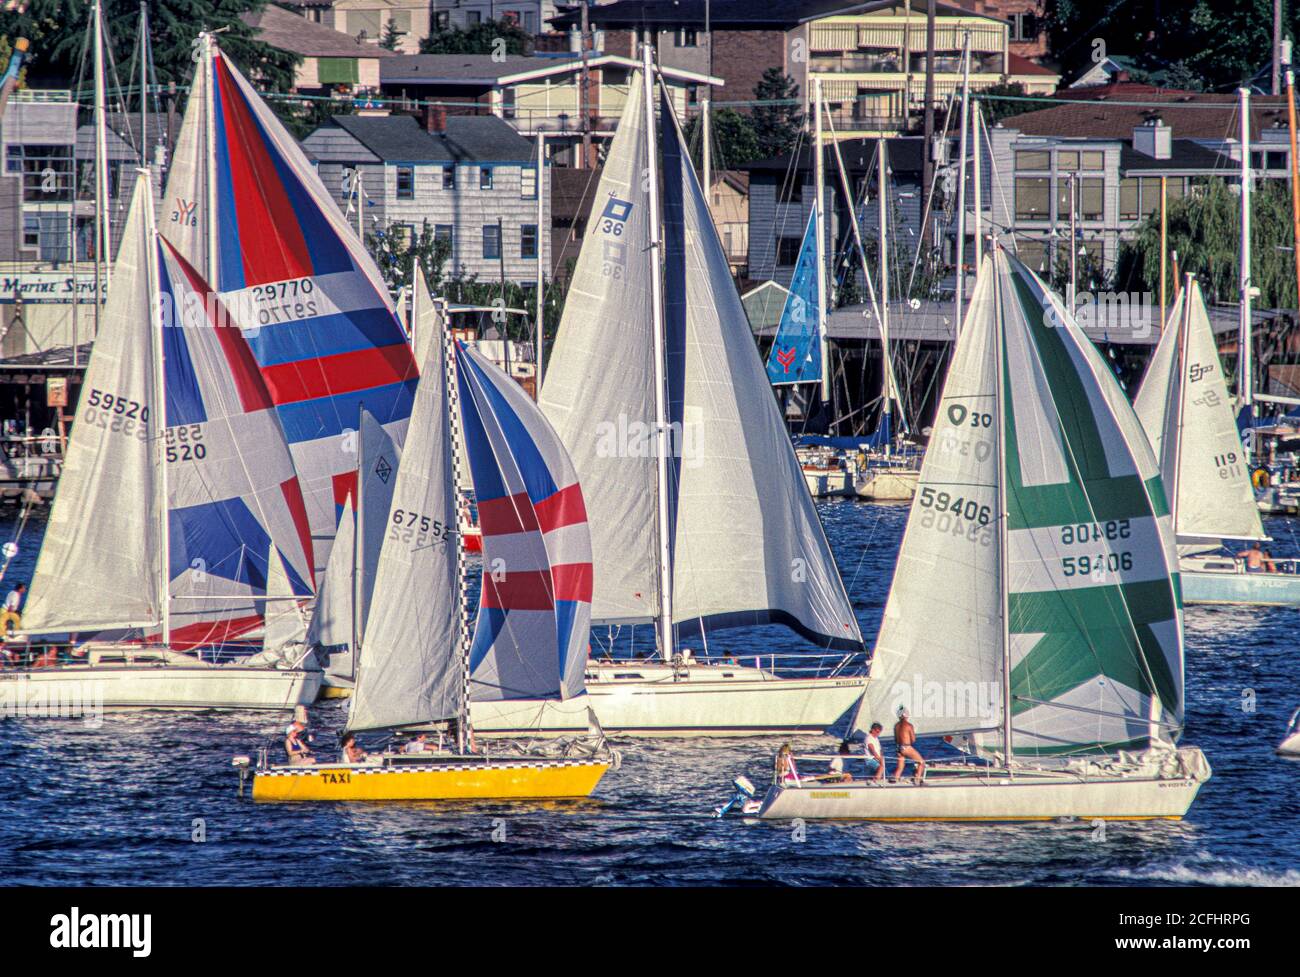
(1260, 478)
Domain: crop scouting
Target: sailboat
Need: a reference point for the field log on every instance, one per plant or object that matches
(178, 516)
(700, 518)
(247, 208)
(1034, 616)
(417, 664)
(1186, 411)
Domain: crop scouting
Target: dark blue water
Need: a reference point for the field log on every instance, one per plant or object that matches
(122, 804)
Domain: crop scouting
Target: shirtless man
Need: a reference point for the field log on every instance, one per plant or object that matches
(1257, 560)
(905, 743)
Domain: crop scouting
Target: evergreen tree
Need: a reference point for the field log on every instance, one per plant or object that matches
(733, 137)
(392, 36)
(778, 121)
(497, 37)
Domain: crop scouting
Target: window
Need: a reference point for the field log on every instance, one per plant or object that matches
(692, 95)
(528, 183)
(485, 178)
(1128, 199)
(1092, 199)
(688, 37)
(31, 230)
(47, 171)
(787, 250)
(491, 241)
(789, 191)
(401, 21)
(1067, 161)
(363, 23)
(1033, 160)
(445, 234)
(403, 236)
(474, 18)
(508, 102)
(1032, 198)
(1033, 254)
(441, 20)
(1024, 27)
(528, 240)
(449, 178)
(406, 183)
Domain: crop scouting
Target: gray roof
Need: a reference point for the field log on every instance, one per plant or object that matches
(1184, 155)
(468, 139)
(483, 69)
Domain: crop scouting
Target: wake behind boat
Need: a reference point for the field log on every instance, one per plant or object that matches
(1038, 572)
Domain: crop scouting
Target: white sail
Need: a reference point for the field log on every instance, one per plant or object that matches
(331, 621)
(599, 389)
(185, 201)
(286, 624)
(376, 480)
(943, 618)
(101, 562)
(1186, 411)
(411, 669)
(749, 546)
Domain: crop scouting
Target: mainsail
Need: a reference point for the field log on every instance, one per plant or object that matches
(739, 511)
(331, 620)
(251, 212)
(795, 356)
(101, 562)
(1186, 411)
(411, 669)
(531, 638)
(1084, 604)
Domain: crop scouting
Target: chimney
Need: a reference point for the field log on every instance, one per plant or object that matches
(435, 119)
(1153, 138)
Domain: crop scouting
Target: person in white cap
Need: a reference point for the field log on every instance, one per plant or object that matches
(905, 744)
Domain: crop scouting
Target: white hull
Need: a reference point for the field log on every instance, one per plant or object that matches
(1146, 791)
(888, 485)
(159, 686)
(828, 483)
(1291, 745)
(1224, 580)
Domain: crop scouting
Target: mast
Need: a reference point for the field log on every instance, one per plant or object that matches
(1074, 235)
(209, 155)
(358, 543)
(819, 211)
(961, 186)
(102, 235)
(999, 408)
(541, 264)
(662, 444)
(144, 83)
(1180, 360)
(975, 176)
(1295, 170)
(159, 407)
(1245, 366)
(706, 142)
(887, 392)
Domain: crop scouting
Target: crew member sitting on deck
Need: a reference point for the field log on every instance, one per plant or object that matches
(1257, 560)
(418, 744)
(875, 756)
(905, 743)
(837, 774)
(11, 619)
(785, 769)
(351, 752)
(294, 746)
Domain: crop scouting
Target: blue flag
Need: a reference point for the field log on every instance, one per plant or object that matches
(796, 355)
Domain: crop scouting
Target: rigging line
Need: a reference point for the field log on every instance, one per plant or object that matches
(929, 197)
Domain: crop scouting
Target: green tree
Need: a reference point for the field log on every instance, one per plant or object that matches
(392, 36)
(1002, 101)
(733, 137)
(57, 29)
(497, 37)
(1205, 229)
(778, 121)
(396, 253)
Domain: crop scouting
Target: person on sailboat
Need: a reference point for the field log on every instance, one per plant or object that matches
(905, 743)
(1257, 560)
(837, 774)
(12, 619)
(294, 745)
(875, 755)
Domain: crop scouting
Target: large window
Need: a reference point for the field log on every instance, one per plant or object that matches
(445, 234)
(1090, 199)
(491, 241)
(528, 241)
(528, 183)
(364, 24)
(1072, 160)
(1033, 160)
(787, 250)
(406, 183)
(1033, 198)
(47, 171)
(1139, 196)
(687, 37)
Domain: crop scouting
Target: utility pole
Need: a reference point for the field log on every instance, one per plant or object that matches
(1277, 47)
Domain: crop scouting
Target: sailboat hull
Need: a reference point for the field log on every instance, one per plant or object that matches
(1233, 586)
(455, 779)
(83, 690)
(989, 796)
(888, 485)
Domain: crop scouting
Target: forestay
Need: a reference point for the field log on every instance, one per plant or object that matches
(101, 563)
(1186, 411)
(531, 636)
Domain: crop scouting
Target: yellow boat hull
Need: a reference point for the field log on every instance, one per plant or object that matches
(521, 779)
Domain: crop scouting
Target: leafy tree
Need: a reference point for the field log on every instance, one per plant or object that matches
(497, 37)
(778, 121)
(1205, 229)
(733, 137)
(1004, 107)
(57, 29)
(396, 254)
(392, 36)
